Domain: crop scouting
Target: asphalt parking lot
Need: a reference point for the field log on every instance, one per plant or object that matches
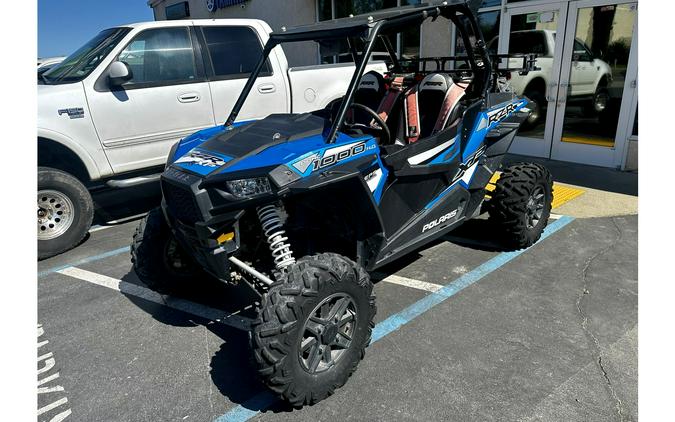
(464, 332)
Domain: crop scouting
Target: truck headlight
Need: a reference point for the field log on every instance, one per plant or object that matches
(244, 188)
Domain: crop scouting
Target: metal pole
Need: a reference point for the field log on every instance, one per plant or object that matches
(249, 83)
(353, 85)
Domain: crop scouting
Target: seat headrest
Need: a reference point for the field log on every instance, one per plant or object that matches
(436, 82)
(372, 81)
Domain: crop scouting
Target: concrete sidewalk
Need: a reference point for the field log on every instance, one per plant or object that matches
(607, 192)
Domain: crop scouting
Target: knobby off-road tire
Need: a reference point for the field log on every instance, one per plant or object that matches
(65, 212)
(158, 259)
(325, 287)
(521, 204)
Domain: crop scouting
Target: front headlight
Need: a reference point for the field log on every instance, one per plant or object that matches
(244, 188)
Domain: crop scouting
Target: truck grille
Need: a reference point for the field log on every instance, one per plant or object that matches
(181, 203)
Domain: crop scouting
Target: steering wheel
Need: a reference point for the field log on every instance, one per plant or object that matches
(381, 127)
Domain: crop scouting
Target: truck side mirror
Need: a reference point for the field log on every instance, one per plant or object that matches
(119, 73)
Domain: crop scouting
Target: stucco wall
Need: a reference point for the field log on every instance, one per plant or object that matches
(293, 13)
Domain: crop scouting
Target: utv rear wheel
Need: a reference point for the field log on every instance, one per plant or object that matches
(313, 328)
(158, 259)
(65, 211)
(521, 204)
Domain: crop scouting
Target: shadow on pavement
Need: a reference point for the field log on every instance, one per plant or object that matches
(233, 369)
(120, 204)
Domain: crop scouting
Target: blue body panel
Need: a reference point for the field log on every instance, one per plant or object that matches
(304, 156)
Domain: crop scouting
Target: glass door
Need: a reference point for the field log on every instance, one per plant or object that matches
(598, 83)
(535, 29)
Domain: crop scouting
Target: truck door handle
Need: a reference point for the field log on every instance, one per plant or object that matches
(552, 86)
(189, 97)
(564, 91)
(267, 88)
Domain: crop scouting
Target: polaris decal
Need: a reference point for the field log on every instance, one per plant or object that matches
(440, 220)
(201, 161)
(316, 161)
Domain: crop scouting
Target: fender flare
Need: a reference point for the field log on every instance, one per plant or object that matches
(89, 163)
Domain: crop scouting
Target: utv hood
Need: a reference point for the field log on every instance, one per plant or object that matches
(271, 141)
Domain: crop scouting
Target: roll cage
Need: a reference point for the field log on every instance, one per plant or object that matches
(369, 28)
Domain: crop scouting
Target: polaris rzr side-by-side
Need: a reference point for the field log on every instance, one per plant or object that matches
(301, 207)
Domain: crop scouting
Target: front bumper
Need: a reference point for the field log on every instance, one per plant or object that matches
(187, 209)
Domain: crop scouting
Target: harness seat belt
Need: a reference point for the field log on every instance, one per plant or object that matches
(389, 100)
(412, 115)
(452, 97)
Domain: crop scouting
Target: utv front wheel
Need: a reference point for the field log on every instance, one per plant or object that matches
(313, 328)
(158, 259)
(521, 204)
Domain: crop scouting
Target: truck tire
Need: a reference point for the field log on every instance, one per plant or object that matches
(520, 205)
(65, 212)
(537, 105)
(598, 103)
(313, 327)
(158, 259)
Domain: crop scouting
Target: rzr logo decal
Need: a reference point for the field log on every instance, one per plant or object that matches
(500, 114)
(201, 159)
(330, 157)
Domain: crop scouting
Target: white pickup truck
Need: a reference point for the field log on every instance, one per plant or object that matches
(110, 112)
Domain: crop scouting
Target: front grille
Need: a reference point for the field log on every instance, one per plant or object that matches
(181, 203)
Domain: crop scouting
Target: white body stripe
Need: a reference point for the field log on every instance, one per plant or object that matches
(422, 157)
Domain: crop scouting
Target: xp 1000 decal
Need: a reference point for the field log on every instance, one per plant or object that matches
(321, 159)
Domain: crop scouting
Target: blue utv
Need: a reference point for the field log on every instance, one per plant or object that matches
(301, 207)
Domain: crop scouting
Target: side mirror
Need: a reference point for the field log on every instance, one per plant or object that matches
(119, 73)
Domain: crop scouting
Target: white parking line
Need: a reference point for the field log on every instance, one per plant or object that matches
(183, 305)
(412, 283)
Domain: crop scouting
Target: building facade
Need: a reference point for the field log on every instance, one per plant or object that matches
(584, 95)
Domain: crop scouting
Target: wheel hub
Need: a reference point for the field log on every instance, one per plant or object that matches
(327, 333)
(54, 214)
(535, 207)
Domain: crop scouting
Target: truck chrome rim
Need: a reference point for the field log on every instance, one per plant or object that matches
(55, 214)
(535, 207)
(327, 333)
(535, 111)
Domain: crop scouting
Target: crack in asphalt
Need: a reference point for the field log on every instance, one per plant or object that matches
(208, 359)
(584, 320)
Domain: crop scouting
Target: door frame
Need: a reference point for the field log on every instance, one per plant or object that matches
(538, 147)
(591, 154)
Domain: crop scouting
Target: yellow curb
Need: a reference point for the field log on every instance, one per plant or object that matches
(561, 193)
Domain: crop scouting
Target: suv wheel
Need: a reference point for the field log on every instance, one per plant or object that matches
(313, 327)
(65, 212)
(521, 204)
(537, 106)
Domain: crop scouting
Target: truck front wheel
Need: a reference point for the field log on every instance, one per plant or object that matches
(313, 328)
(65, 211)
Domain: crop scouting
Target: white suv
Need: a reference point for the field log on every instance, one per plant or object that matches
(589, 79)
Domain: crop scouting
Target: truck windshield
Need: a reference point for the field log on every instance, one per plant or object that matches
(81, 63)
